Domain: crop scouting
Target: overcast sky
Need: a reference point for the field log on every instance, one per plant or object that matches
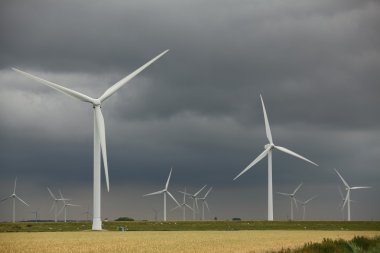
(316, 63)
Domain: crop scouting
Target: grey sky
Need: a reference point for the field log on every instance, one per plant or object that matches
(197, 108)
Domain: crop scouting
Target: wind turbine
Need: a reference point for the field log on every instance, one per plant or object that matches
(55, 204)
(195, 200)
(165, 191)
(183, 205)
(292, 199)
(303, 204)
(99, 130)
(204, 203)
(347, 199)
(342, 199)
(14, 196)
(65, 205)
(36, 214)
(268, 152)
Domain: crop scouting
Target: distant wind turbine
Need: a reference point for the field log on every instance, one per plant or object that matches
(99, 129)
(268, 152)
(342, 199)
(13, 196)
(65, 206)
(347, 199)
(303, 204)
(204, 203)
(195, 200)
(183, 205)
(292, 198)
(165, 191)
(55, 204)
(36, 214)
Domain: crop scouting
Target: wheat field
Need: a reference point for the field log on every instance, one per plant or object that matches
(175, 241)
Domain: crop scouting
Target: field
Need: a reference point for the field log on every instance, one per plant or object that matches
(194, 226)
(144, 236)
(165, 241)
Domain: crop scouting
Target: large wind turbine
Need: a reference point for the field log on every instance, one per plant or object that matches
(65, 206)
(268, 152)
(165, 191)
(183, 205)
(99, 129)
(55, 204)
(303, 204)
(13, 196)
(204, 203)
(195, 200)
(292, 198)
(347, 200)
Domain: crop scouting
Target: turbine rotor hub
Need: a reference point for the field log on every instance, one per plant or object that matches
(96, 102)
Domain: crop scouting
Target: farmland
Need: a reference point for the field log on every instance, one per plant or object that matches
(193, 226)
(165, 241)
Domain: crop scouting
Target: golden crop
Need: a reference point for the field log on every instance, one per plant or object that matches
(176, 241)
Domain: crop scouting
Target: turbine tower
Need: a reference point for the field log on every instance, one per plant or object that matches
(292, 199)
(99, 130)
(55, 204)
(183, 205)
(14, 196)
(347, 199)
(165, 191)
(303, 204)
(268, 152)
(195, 200)
(204, 203)
(65, 206)
(342, 199)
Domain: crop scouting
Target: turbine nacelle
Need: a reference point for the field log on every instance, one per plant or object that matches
(269, 146)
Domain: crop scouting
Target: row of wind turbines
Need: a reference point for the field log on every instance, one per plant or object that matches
(195, 197)
(100, 150)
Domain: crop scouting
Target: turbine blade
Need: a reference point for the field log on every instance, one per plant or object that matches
(4, 199)
(345, 200)
(189, 207)
(285, 150)
(102, 138)
(72, 205)
(22, 200)
(196, 194)
(344, 181)
(51, 194)
(267, 127)
(52, 206)
(298, 187)
(206, 205)
(14, 189)
(126, 79)
(173, 198)
(167, 182)
(361, 187)
(154, 193)
(209, 190)
(62, 198)
(64, 90)
(310, 199)
(185, 193)
(258, 159)
(196, 203)
(176, 207)
(282, 193)
(340, 192)
(60, 211)
(295, 202)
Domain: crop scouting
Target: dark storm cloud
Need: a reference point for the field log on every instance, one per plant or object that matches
(197, 108)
